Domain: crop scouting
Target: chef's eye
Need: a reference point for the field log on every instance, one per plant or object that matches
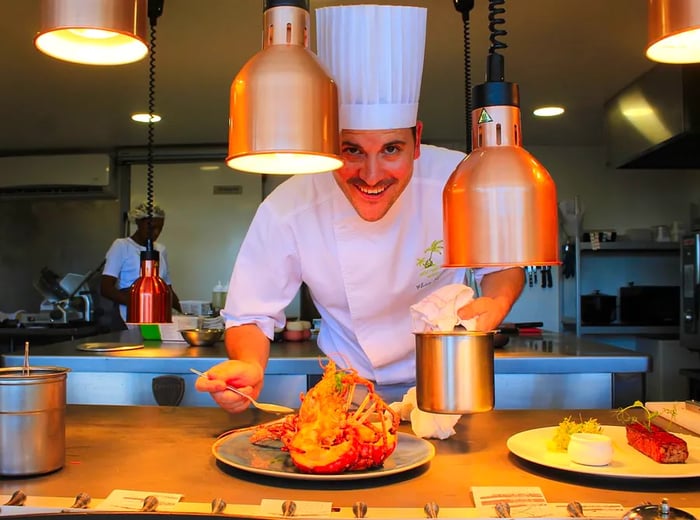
(352, 150)
(392, 149)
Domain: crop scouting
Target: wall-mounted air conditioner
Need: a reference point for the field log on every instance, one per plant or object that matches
(67, 176)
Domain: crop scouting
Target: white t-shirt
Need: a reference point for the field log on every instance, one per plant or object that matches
(362, 276)
(123, 262)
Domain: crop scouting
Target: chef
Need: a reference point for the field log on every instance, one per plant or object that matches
(123, 260)
(367, 238)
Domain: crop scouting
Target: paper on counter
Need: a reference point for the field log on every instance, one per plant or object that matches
(128, 500)
(530, 502)
(514, 495)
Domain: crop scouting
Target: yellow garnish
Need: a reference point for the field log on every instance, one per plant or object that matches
(560, 441)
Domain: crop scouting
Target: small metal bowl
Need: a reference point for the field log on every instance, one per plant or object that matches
(202, 337)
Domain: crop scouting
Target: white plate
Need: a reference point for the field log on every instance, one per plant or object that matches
(235, 450)
(627, 462)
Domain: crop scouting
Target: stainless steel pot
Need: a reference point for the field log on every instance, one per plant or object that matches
(454, 372)
(32, 420)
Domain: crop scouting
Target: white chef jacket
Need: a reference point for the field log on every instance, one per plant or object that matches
(123, 262)
(362, 276)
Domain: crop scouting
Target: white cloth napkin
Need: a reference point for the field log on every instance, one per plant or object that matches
(435, 312)
(438, 310)
(424, 424)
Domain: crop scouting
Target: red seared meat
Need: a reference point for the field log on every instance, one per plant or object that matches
(657, 443)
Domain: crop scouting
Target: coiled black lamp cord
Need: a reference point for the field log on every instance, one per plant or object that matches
(155, 9)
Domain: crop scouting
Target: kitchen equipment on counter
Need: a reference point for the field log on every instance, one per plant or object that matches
(32, 420)
(657, 511)
(524, 327)
(202, 337)
(297, 330)
(196, 307)
(598, 308)
(66, 300)
(601, 236)
(454, 371)
(218, 296)
(650, 304)
(690, 289)
(107, 346)
(662, 233)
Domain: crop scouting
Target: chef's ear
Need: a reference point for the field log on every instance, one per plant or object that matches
(419, 132)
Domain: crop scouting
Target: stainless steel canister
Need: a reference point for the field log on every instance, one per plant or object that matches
(32, 420)
(454, 372)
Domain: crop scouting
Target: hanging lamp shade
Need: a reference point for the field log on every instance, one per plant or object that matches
(93, 32)
(150, 298)
(284, 105)
(500, 203)
(674, 31)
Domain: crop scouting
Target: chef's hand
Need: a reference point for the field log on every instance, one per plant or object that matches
(489, 312)
(500, 289)
(247, 377)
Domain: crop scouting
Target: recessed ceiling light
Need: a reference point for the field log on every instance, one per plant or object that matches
(548, 111)
(209, 167)
(143, 118)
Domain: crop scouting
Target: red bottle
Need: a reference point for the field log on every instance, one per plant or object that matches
(150, 298)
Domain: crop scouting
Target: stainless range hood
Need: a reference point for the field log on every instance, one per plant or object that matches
(654, 123)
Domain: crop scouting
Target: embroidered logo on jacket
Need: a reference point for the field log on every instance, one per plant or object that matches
(430, 261)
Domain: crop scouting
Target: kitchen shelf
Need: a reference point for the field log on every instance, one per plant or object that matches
(614, 265)
(630, 245)
(569, 324)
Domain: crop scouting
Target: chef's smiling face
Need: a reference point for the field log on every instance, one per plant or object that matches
(378, 166)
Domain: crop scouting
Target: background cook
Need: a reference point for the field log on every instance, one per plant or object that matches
(367, 238)
(123, 260)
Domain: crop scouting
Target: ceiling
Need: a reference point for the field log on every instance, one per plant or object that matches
(574, 53)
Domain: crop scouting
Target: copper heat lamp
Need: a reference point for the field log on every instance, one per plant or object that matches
(284, 105)
(150, 298)
(93, 32)
(674, 31)
(500, 204)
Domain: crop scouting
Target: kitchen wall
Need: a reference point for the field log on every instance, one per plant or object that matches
(208, 209)
(67, 236)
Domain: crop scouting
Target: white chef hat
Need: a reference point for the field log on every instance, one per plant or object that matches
(375, 54)
(141, 212)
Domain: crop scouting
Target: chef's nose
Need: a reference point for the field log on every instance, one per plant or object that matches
(371, 173)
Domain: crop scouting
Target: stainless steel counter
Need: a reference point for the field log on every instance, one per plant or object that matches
(168, 449)
(12, 338)
(542, 371)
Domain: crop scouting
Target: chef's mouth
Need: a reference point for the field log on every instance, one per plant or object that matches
(371, 192)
